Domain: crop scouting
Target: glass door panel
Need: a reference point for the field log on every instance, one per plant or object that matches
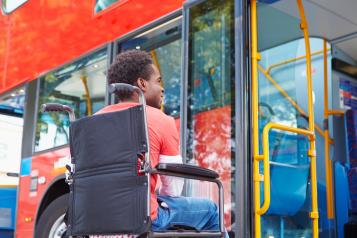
(283, 99)
(282, 86)
(210, 105)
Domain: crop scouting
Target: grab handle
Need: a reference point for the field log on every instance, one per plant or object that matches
(57, 107)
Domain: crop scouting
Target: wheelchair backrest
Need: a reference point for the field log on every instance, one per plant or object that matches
(108, 195)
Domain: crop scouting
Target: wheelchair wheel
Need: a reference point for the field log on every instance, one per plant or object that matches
(51, 223)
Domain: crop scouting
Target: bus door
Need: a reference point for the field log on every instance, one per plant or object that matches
(284, 147)
(11, 126)
(209, 88)
(310, 179)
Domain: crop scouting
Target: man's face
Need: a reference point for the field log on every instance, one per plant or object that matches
(154, 91)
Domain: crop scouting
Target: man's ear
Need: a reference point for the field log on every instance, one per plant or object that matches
(142, 84)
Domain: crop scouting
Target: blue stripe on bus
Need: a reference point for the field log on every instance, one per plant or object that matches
(26, 167)
(268, 1)
(7, 208)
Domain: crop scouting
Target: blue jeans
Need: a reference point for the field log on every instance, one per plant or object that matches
(202, 214)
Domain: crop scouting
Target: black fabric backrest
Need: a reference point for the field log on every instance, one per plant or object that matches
(107, 195)
(107, 138)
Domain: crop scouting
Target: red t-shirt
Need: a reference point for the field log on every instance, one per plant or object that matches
(164, 146)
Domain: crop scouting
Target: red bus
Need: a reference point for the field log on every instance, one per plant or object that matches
(231, 69)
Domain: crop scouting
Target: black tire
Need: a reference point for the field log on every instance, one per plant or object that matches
(52, 215)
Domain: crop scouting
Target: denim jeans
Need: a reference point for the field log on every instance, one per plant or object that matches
(202, 214)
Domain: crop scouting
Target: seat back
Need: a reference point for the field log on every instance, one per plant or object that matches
(289, 173)
(351, 127)
(108, 195)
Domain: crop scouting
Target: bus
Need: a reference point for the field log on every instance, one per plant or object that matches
(262, 91)
(11, 124)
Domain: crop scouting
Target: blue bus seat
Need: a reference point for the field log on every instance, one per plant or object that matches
(288, 183)
(289, 173)
(351, 128)
(341, 197)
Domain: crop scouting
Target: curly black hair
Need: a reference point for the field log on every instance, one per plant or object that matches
(128, 67)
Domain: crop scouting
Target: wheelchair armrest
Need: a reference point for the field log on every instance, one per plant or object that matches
(197, 173)
(186, 170)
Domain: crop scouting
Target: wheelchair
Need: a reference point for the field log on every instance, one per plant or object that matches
(109, 175)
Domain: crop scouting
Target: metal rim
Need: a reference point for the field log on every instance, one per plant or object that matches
(58, 228)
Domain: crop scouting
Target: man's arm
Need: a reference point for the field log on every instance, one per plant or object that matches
(171, 186)
(170, 153)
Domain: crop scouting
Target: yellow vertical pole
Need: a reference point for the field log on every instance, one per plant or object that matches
(156, 62)
(328, 164)
(314, 215)
(256, 157)
(88, 97)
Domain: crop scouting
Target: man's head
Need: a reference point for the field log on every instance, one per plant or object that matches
(136, 67)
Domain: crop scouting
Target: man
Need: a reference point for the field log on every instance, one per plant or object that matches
(137, 68)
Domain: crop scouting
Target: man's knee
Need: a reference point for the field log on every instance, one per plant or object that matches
(212, 207)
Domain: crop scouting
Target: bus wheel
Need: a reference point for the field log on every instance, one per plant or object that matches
(51, 223)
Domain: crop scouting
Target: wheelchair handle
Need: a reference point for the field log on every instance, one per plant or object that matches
(57, 107)
(116, 87)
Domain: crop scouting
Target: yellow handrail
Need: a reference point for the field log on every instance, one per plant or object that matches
(287, 96)
(311, 133)
(335, 112)
(292, 60)
(87, 95)
(156, 62)
(266, 166)
(256, 157)
(328, 165)
(314, 215)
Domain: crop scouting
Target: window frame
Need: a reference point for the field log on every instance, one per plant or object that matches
(21, 86)
(36, 101)
(111, 7)
(151, 25)
(6, 12)
(176, 15)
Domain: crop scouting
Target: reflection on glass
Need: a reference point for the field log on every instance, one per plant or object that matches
(211, 97)
(168, 60)
(103, 4)
(13, 103)
(289, 167)
(164, 45)
(11, 5)
(80, 85)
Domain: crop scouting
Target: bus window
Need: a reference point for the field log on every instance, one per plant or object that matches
(211, 97)
(80, 85)
(103, 4)
(9, 6)
(11, 127)
(164, 45)
(11, 122)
